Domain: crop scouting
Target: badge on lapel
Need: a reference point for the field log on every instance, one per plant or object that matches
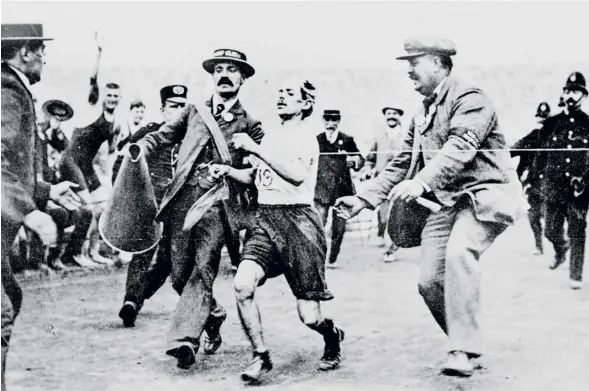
(228, 117)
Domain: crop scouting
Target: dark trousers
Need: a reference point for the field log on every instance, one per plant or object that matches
(383, 218)
(80, 219)
(535, 215)
(11, 291)
(195, 259)
(338, 229)
(576, 217)
(146, 275)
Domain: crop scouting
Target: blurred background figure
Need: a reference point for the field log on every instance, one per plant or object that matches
(388, 140)
(86, 164)
(530, 177)
(133, 124)
(334, 179)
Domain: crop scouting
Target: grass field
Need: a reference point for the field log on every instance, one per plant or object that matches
(69, 337)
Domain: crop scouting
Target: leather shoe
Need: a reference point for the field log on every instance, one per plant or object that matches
(458, 364)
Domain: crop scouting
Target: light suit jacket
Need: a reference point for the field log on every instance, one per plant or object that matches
(457, 150)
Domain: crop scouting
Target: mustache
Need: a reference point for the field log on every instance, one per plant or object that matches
(225, 80)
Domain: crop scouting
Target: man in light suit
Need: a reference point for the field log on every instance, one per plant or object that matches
(458, 158)
(196, 254)
(23, 193)
(384, 148)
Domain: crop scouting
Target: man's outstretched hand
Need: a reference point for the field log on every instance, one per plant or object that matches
(348, 207)
(63, 195)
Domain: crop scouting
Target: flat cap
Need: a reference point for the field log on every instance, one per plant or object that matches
(332, 113)
(419, 46)
(387, 108)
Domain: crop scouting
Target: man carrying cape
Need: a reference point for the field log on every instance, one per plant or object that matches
(197, 225)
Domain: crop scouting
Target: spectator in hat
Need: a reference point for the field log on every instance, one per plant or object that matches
(529, 175)
(50, 138)
(24, 195)
(387, 142)
(564, 170)
(198, 244)
(454, 153)
(334, 180)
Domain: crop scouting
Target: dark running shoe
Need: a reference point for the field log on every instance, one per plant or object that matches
(128, 313)
(185, 354)
(260, 365)
(332, 353)
(213, 338)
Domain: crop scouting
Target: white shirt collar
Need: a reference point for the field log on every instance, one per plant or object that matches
(332, 139)
(439, 87)
(22, 77)
(228, 104)
(392, 133)
(132, 127)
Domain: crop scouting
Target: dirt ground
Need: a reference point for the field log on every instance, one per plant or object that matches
(536, 330)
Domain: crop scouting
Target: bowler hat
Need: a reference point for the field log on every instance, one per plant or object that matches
(58, 109)
(229, 55)
(576, 81)
(420, 46)
(384, 110)
(174, 93)
(23, 32)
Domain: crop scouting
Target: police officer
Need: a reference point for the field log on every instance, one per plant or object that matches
(141, 282)
(531, 181)
(333, 176)
(565, 172)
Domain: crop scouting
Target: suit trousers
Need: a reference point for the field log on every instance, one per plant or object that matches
(535, 215)
(11, 291)
(452, 242)
(338, 229)
(383, 218)
(146, 275)
(195, 259)
(576, 217)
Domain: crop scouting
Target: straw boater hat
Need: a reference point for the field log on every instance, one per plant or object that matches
(229, 55)
(58, 109)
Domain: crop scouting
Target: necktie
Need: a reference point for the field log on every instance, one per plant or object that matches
(219, 109)
(427, 102)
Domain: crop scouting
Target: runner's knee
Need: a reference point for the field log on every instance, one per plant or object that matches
(246, 280)
(309, 313)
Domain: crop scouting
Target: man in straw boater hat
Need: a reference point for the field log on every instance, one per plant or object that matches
(564, 169)
(199, 210)
(455, 154)
(23, 195)
(50, 145)
(286, 236)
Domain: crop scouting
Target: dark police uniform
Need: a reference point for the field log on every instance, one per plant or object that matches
(533, 140)
(142, 284)
(334, 181)
(562, 171)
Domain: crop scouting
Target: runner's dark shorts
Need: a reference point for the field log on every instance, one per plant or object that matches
(289, 240)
